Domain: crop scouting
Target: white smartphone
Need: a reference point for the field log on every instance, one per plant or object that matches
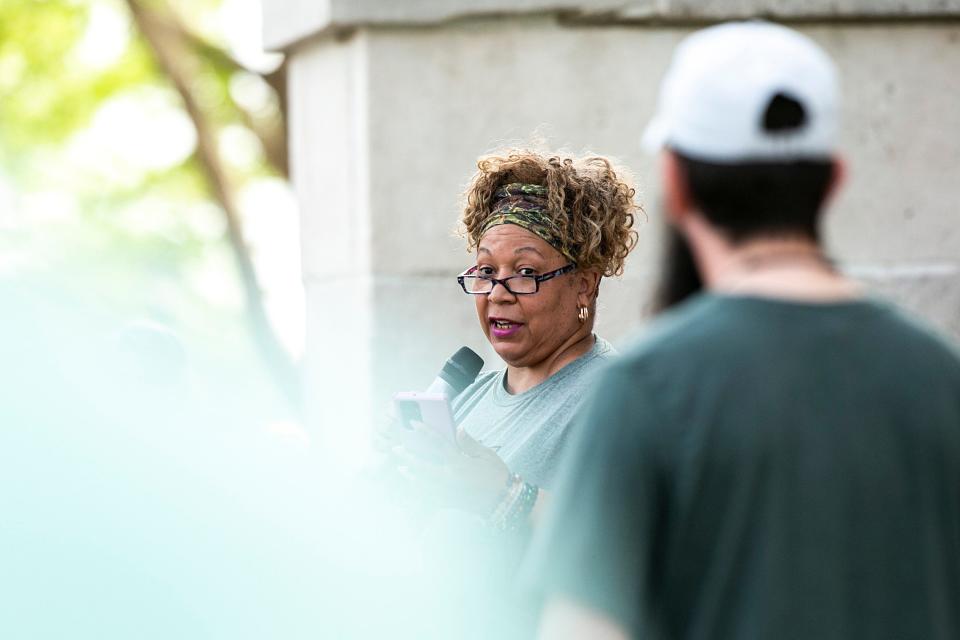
(432, 409)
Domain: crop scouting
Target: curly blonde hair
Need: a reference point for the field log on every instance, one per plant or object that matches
(589, 198)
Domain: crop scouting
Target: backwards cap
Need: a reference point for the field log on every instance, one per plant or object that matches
(722, 81)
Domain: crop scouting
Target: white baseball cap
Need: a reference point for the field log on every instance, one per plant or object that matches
(722, 80)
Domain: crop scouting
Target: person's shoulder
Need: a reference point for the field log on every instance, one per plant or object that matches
(603, 350)
(481, 386)
(581, 371)
(895, 328)
(709, 329)
(682, 327)
(485, 379)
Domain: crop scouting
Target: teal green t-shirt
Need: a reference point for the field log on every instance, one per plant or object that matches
(756, 468)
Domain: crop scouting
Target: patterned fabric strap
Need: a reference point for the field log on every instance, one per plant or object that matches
(525, 205)
(515, 506)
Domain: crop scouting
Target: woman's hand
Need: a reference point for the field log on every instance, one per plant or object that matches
(464, 474)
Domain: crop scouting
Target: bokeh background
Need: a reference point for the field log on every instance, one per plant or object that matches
(143, 177)
(227, 236)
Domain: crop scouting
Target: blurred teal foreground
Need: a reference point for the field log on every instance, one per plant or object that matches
(144, 496)
(155, 479)
(138, 500)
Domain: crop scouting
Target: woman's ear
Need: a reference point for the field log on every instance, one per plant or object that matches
(588, 283)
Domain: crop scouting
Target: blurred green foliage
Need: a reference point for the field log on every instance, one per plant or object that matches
(45, 98)
(122, 240)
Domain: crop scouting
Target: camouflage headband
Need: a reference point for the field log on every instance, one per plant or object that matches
(525, 205)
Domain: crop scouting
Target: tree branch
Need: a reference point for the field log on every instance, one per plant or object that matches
(273, 140)
(174, 63)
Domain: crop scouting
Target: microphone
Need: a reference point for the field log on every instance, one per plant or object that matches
(457, 374)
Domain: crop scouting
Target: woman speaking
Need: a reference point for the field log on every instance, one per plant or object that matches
(544, 230)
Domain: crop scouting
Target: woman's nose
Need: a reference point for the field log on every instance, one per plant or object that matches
(500, 294)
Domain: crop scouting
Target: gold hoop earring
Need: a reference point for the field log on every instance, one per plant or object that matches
(583, 314)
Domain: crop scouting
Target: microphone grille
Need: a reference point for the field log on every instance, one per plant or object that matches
(462, 368)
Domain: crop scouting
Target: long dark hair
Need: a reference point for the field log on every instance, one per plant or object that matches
(679, 276)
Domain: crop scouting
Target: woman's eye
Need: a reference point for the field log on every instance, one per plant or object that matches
(527, 271)
(484, 271)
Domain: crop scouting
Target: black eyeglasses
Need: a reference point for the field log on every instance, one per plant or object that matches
(517, 285)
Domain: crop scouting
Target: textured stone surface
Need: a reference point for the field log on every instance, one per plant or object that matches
(932, 297)
(461, 91)
(289, 21)
(328, 147)
(901, 137)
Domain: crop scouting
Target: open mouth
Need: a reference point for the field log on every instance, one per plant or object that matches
(503, 328)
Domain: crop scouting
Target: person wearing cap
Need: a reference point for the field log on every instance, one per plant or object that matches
(779, 455)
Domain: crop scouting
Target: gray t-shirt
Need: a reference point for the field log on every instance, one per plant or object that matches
(528, 430)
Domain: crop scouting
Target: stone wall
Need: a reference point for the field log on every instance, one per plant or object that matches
(289, 21)
(392, 102)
